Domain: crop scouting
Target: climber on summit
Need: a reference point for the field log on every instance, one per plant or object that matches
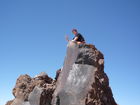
(77, 38)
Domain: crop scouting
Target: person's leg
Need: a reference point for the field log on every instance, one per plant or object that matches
(80, 42)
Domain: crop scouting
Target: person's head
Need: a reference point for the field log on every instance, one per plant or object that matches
(74, 31)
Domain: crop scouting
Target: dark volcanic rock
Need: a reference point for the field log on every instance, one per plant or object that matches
(81, 81)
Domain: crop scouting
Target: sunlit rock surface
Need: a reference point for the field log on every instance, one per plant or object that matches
(81, 81)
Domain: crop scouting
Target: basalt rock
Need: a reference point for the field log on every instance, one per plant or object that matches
(81, 81)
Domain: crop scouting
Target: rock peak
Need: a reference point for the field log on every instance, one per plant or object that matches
(81, 81)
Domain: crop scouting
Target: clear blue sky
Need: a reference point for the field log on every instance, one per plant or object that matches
(32, 40)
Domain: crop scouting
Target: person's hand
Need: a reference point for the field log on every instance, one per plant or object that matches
(67, 38)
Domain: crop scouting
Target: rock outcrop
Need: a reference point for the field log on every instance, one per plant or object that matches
(81, 81)
(33, 91)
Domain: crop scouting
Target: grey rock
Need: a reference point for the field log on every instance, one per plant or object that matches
(34, 96)
(75, 79)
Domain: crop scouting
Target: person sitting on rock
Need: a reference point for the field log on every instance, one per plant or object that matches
(77, 38)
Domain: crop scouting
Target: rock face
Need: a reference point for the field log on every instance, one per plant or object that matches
(33, 91)
(81, 81)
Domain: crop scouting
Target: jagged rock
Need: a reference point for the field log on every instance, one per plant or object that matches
(9, 102)
(22, 90)
(30, 91)
(81, 81)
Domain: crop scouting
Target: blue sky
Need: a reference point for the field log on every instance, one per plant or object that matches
(32, 40)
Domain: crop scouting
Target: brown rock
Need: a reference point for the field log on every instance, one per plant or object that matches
(9, 102)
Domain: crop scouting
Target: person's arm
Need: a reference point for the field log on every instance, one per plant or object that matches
(75, 39)
(67, 38)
